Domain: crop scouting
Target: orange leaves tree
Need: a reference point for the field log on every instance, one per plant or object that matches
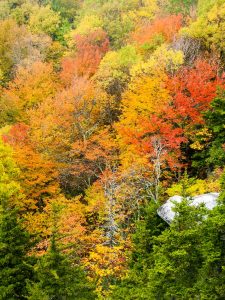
(39, 176)
(39, 182)
(31, 86)
(90, 49)
(163, 29)
(71, 128)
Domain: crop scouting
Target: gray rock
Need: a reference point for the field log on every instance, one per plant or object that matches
(166, 210)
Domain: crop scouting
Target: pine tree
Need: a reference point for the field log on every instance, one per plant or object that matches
(134, 286)
(212, 152)
(15, 267)
(177, 255)
(211, 280)
(215, 119)
(56, 277)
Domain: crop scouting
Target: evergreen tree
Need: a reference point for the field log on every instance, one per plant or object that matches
(134, 286)
(215, 119)
(177, 255)
(15, 267)
(211, 281)
(213, 155)
(57, 278)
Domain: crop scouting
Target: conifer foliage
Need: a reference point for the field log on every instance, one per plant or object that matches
(15, 265)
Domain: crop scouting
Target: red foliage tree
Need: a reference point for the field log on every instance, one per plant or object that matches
(18, 135)
(90, 50)
(192, 90)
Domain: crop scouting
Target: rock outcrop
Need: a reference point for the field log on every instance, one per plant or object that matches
(166, 210)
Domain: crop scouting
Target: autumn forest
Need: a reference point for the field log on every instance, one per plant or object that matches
(107, 109)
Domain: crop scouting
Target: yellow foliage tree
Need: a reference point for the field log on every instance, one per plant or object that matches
(209, 27)
(70, 225)
(163, 59)
(107, 257)
(145, 97)
(30, 87)
(104, 264)
(148, 9)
